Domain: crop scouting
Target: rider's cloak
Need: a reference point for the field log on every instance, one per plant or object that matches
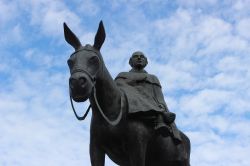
(143, 91)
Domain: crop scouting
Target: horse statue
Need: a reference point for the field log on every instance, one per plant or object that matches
(127, 141)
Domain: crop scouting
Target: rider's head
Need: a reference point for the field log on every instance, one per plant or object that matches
(138, 61)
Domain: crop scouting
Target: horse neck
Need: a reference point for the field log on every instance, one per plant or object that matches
(107, 93)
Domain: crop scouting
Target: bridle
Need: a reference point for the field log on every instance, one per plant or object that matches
(93, 79)
(111, 122)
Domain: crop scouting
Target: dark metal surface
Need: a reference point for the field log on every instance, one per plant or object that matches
(132, 142)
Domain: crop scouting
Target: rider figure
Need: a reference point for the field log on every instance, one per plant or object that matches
(145, 97)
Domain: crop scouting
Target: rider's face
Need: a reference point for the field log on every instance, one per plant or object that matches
(139, 61)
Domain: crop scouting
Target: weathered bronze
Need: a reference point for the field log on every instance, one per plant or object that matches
(118, 127)
(145, 98)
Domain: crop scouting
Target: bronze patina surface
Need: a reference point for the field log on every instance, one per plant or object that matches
(130, 119)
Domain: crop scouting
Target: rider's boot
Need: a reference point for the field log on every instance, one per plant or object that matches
(169, 117)
(161, 127)
(166, 127)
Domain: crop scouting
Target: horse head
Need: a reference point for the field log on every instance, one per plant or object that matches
(84, 63)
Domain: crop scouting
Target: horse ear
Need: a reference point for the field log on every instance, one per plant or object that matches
(100, 36)
(71, 38)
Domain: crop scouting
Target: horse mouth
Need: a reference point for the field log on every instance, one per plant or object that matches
(80, 95)
(79, 98)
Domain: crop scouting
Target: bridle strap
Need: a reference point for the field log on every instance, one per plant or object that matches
(86, 72)
(114, 122)
(111, 122)
(80, 118)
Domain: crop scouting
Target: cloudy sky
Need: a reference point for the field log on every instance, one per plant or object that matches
(199, 49)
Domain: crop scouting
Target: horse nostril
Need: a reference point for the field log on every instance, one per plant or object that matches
(82, 81)
(72, 82)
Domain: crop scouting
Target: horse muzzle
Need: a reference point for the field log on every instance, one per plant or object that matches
(80, 87)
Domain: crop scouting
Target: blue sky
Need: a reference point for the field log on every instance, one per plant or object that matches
(198, 49)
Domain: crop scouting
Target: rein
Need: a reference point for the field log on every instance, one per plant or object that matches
(114, 122)
(80, 118)
(111, 122)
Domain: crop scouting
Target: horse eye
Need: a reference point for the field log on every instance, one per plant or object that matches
(70, 63)
(93, 60)
(93, 64)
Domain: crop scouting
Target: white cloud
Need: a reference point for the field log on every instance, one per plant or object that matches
(241, 5)
(228, 81)
(88, 7)
(35, 117)
(200, 56)
(233, 64)
(43, 59)
(177, 23)
(243, 27)
(50, 15)
(38, 141)
(175, 75)
(204, 102)
(53, 19)
(7, 12)
(12, 36)
(197, 3)
(216, 154)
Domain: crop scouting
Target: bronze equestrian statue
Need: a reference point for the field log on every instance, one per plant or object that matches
(128, 138)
